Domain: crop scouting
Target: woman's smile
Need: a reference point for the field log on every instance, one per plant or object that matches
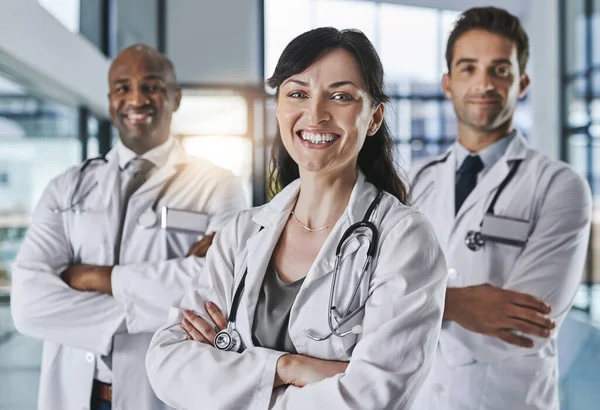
(317, 139)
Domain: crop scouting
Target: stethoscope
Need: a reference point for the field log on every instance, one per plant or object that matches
(147, 219)
(75, 205)
(474, 240)
(229, 338)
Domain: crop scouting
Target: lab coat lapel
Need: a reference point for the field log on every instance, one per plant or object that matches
(445, 175)
(485, 189)
(260, 247)
(260, 250)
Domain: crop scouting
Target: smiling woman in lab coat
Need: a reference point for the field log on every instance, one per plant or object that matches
(333, 156)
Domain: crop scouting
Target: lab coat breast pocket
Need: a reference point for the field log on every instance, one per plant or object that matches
(499, 256)
(182, 228)
(177, 244)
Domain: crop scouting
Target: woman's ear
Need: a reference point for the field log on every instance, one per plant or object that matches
(376, 119)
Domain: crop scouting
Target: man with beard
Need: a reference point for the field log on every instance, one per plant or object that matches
(514, 227)
(112, 244)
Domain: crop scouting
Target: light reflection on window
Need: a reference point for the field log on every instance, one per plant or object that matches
(230, 152)
(215, 127)
(211, 115)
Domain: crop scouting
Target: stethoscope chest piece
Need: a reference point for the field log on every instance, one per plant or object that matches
(474, 240)
(228, 340)
(148, 219)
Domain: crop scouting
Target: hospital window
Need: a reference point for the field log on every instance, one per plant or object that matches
(215, 125)
(65, 11)
(580, 74)
(411, 42)
(39, 139)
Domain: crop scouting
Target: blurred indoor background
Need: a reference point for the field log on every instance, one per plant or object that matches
(54, 56)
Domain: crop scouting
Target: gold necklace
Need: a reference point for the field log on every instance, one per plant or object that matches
(306, 227)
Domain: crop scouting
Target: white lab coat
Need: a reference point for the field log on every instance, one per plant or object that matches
(77, 326)
(388, 361)
(476, 372)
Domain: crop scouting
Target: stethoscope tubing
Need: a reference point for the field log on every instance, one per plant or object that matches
(346, 316)
(152, 210)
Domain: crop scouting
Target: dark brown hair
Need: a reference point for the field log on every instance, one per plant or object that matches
(376, 157)
(494, 20)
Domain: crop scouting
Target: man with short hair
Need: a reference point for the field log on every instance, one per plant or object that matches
(514, 226)
(114, 242)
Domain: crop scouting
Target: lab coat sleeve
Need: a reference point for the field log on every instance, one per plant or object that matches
(43, 306)
(146, 291)
(551, 265)
(401, 328)
(188, 374)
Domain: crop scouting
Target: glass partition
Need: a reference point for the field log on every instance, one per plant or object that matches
(38, 140)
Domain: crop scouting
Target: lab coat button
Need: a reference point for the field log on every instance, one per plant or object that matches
(438, 388)
(89, 357)
(452, 273)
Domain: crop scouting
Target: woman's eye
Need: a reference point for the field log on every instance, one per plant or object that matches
(297, 94)
(342, 97)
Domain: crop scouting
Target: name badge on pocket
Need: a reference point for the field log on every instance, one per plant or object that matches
(508, 231)
(183, 221)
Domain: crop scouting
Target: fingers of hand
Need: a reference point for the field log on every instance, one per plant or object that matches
(201, 247)
(193, 333)
(196, 324)
(532, 317)
(193, 249)
(529, 301)
(514, 339)
(216, 315)
(207, 239)
(528, 328)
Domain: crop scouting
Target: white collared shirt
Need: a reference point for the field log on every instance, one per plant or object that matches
(489, 155)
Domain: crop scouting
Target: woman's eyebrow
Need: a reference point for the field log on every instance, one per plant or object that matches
(343, 83)
(291, 80)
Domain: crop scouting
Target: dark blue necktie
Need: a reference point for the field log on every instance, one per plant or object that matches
(467, 179)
